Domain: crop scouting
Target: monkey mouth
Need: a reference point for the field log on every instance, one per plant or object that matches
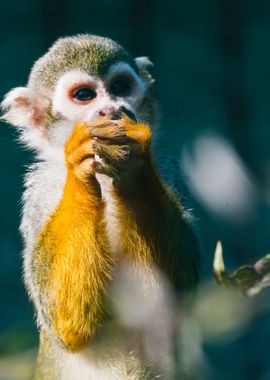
(118, 114)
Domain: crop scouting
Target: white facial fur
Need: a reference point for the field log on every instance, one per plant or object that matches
(104, 101)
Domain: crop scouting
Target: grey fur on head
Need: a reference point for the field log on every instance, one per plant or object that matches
(87, 52)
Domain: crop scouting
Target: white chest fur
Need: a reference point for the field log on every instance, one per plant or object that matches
(110, 212)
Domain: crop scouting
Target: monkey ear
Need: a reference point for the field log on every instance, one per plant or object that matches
(144, 64)
(23, 107)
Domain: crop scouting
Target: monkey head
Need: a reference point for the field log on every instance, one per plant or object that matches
(80, 78)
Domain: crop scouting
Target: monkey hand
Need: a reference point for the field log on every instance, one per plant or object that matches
(80, 152)
(124, 149)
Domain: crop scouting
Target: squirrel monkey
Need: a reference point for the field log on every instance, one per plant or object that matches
(96, 200)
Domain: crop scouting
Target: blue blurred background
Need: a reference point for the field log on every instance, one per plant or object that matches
(212, 66)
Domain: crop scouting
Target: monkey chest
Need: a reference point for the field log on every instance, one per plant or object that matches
(112, 223)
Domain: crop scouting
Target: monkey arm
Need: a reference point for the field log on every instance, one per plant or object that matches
(71, 263)
(155, 227)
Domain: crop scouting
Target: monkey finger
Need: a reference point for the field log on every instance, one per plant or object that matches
(102, 123)
(79, 135)
(83, 131)
(86, 169)
(85, 150)
(115, 153)
(109, 132)
(105, 168)
(139, 132)
(112, 153)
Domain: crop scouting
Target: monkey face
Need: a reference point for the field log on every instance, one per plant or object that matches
(80, 78)
(78, 95)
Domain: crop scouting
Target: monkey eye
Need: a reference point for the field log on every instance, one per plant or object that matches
(84, 94)
(120, 87)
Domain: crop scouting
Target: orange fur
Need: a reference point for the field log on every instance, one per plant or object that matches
(138, 132)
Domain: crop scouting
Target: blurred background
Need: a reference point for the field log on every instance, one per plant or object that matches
(212, 65)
